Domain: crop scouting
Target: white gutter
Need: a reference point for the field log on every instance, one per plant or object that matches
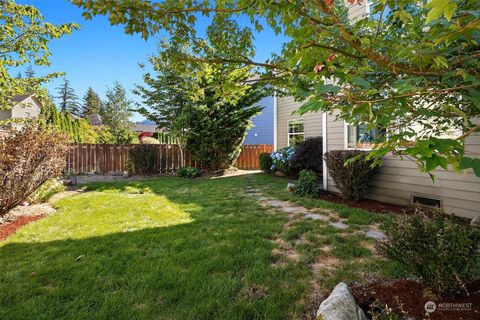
(324, 147)
(275, 121)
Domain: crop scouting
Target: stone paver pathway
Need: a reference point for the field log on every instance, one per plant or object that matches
(324, 215)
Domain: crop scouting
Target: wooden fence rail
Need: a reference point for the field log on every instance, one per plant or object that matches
(111, 158)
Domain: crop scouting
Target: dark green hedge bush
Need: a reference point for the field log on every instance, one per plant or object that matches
(439, 251)
(266, 162)
(307, 185)
(188, 172)
(351, 179)
(141, 160)
(309, 154)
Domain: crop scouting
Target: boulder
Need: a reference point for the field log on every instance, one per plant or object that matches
(290, 186)
(475, 222)
(340, 305)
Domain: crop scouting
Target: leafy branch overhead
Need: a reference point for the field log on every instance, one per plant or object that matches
(410, 68)
(24, 36)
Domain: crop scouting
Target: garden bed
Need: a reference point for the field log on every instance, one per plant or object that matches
(367, 204)
(11, 227)
(406, 297)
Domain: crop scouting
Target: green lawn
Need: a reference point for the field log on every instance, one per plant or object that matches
(181, 249)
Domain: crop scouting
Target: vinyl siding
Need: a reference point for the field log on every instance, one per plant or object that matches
(356, 11)
(398, 179)
(285, 107)
(5, 114)
(262, 130)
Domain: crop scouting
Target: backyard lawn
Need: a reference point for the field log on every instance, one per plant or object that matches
(173, 248)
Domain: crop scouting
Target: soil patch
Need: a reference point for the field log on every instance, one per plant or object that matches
(408, 298)
(367, 204)
(9, 228)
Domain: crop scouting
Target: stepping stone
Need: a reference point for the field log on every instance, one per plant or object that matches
(377, 235)
(339, 225)
(315, 216)
(293, 209)
(274, 203)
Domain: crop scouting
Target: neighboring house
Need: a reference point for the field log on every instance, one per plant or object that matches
(95, 120)
(263, 124)
(26, 107)
(398, 181)
(145, 129)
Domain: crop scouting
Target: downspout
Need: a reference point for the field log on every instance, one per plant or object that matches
(275, 121)
(324, 147)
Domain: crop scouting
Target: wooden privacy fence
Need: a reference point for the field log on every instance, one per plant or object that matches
(111, 158)
(249, 158)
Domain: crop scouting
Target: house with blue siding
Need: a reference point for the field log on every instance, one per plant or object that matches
(262, 131)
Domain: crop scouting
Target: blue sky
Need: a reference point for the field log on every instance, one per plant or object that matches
(98, 54)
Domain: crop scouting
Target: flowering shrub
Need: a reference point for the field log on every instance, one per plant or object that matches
(281, 159)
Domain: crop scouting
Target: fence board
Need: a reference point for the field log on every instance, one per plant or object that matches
(108, 158)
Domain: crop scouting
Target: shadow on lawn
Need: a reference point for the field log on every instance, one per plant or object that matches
(217, 266)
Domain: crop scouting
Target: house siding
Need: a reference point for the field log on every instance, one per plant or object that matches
(28, 108)
(5, 114)
(262, 130)
(285, 107)
(397, 179)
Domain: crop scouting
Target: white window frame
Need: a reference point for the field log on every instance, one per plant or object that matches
(345, 136)
(288, 129)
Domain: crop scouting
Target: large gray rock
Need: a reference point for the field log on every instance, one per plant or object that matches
(340, 305)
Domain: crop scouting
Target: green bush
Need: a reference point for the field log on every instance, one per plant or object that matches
(351, 177)
(307, 185)
(46, 191)
(281, 159)
(266, 162)
(188, 172)
(141, 160)
(439, 251)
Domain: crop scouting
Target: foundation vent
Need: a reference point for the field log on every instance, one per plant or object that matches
(426, 201)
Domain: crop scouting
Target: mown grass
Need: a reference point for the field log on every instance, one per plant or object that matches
(174, 249)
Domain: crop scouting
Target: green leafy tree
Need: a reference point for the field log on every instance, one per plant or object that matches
(91, 103)
(407, 65)
(24, 39)
(116, 113)
(218, 126)
(169, 97)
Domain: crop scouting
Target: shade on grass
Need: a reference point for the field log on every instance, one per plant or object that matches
(166, 249)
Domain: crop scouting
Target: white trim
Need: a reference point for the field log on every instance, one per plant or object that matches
(324, 147)
(288, 129)
(275, 119)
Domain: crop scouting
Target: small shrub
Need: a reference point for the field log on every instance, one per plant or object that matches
(28, 157)
(46, 191)
(439, 251)
(141, 160)
(265, 162)
(352, 178)
(149, 140)
(281, 159)
(188, 172)
(309, 154)
(307, 185)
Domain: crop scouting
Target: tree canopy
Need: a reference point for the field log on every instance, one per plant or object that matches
(24, 38)
(406, 65)
(91, 103)
(68, 100)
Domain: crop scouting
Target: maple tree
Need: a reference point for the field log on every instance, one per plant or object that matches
(409, 67)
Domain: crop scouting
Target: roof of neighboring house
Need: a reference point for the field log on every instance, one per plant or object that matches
(145, 128)
(20, 97)
(95, 119)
